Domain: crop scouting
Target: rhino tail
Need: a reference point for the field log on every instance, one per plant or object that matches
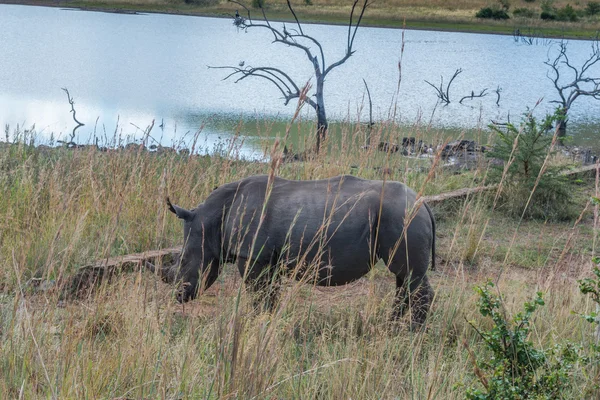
(433, 239)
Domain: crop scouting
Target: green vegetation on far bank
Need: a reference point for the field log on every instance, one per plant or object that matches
(455, 15)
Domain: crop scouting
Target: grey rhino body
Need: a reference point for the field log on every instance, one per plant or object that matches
(339, 226)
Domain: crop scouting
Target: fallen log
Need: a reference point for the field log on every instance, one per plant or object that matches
(457, 194)
(595, 168)
(90, 276)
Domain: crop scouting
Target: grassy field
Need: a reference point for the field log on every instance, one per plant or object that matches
(61, 209)
(453, 15)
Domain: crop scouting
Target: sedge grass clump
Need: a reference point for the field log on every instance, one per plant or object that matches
(533, 188)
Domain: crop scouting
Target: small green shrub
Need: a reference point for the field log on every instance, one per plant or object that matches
(504, 4)
(567, 13)
(592, 8)
(490, 13)
(258, 3)
(202, 3)
(552, 197)
(547, 6)
(529, 1)
(591, 287)
(547, 16)
(516, 369)
(524, 12)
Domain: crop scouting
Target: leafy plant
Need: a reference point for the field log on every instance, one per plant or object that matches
(524, 149)
(490, 13)
(592, 8)
(547, 6)
(516, 369)
(548, 16)
(524, 12)
(567, 13)
(591, 287)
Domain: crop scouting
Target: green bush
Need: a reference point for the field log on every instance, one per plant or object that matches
(592, 8)
(204, 3)
(547, 6)
(547, 16)
(552, 197)
(513, 367)
(529, 1)
(591, 287)
(258, 3)
(524, 12)
(490, 13)
(567, 13)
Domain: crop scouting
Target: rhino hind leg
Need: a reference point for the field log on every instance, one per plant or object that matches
(263, 281)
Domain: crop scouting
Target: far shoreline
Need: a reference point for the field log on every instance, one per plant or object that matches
(278, 16)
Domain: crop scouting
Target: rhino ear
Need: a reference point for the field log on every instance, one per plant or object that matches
(182, 213)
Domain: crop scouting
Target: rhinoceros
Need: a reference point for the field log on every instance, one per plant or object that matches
(327, 232)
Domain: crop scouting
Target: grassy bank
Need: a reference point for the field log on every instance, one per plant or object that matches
(455, 15)
(129, 339)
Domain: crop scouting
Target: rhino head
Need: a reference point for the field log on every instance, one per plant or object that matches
(193, 259)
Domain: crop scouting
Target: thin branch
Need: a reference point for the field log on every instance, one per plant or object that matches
(371, 123)
(295, 17)
(497, 91)
(351, 36)
(72, 103)
(472, 96)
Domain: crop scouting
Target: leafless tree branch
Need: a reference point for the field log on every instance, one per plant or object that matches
(472, 96)
(579, 81)
(444, 94)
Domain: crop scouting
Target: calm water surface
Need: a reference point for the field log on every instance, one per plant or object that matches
(126, 70)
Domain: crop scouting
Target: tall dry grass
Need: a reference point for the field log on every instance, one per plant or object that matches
(61, 208)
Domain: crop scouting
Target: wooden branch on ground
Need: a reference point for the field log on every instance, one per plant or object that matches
(457, 194)
(88, 277)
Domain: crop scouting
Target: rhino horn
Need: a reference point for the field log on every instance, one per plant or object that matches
(180, 212)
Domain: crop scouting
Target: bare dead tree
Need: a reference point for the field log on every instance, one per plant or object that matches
(444, 94)
(297, 38)
(472, 96)
(72, 103)
(575, 81)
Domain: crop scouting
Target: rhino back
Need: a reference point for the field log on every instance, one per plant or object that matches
(326, 218)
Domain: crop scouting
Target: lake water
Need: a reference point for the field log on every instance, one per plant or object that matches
(126, 70)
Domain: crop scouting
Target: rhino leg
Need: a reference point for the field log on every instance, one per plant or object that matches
(421, 296)
(263, 280)
(418, 299)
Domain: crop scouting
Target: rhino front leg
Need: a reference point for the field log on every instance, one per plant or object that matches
(263, 280)
(418, 299)
(421, 296)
